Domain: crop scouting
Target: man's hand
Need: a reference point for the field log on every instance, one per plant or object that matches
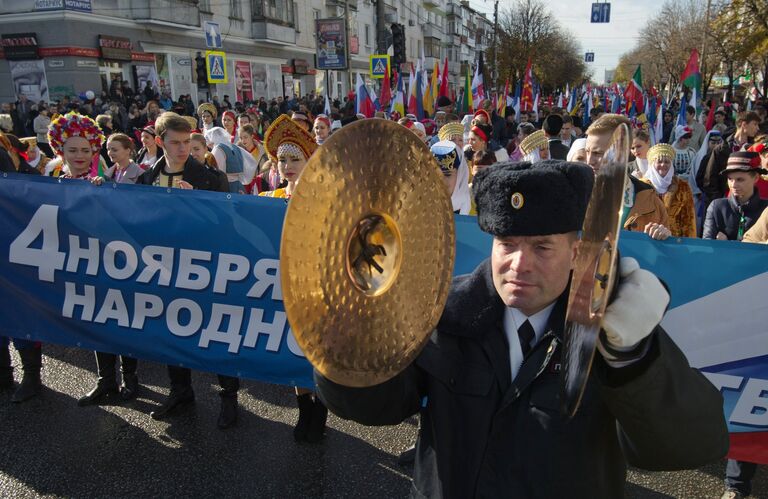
(657, 231)
(639, 306)
(183, 184)
(721, 237)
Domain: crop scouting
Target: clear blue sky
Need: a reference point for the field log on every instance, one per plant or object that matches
(607, 41)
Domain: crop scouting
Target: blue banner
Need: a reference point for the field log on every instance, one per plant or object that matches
(191, 278)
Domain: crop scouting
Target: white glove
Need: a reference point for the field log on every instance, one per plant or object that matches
(638, 308)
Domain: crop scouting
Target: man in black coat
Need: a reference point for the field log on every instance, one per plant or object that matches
(552, 126)
(492, 424)
(178, 169)
(730, 217)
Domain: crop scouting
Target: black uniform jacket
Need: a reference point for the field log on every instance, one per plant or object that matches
(485, 435)
(723, 216)
(558, 150)
(194, 172)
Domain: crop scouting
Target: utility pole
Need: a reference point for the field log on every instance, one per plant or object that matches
(704, 49)
(495, 73)
(346, 39)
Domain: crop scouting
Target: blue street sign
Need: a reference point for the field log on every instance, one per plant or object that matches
(589, 57)
(212, 35)
(601, 13)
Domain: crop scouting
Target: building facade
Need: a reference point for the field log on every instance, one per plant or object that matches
(53, 48)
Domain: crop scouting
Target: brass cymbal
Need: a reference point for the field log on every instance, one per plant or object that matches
(367, 251)
(595, 270)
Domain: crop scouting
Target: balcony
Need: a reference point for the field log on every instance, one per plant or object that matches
(431, 31)
(454, 10)
(269, 31)
(165, 12)
(340, 3)
(430, 4)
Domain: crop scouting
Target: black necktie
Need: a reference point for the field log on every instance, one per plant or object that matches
(526, 335)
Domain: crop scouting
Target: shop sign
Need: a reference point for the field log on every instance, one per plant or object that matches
(300, 67)
(86, 63)
(78, 5)
(20, 46)
(55, 63)
(115, 48)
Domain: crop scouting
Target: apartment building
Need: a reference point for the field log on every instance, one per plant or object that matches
(66, 47)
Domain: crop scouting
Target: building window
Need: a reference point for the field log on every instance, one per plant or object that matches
(419, 50)
(367, 37)
(235, 9)
(432, 47)
(205, 5)
(316, 13)
(281, 11)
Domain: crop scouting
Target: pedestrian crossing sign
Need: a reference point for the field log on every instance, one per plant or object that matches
(379, 65)
(216, 66)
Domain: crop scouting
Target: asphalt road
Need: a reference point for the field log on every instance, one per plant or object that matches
(50, 447)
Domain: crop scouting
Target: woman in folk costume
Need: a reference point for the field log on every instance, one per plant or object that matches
(578, 151)
(673, 191)
(480, 139)
(322, 128)
(77, 140)
(455, 173)
(207, 114)
(289, 145)
(229, 123)
(35, 156)
(239, 165)
(535, 147)
(641, 142)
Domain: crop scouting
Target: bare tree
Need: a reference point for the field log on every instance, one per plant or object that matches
(528, 30)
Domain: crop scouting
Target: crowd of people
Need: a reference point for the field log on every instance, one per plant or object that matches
(703, 183)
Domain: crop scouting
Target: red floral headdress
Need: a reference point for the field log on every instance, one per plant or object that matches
(71, 125)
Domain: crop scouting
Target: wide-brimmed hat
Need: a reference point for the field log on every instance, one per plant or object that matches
(744, 161)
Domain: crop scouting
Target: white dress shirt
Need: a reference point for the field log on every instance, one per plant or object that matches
(513, 319)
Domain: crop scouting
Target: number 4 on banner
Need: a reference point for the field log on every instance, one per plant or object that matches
(48, 258)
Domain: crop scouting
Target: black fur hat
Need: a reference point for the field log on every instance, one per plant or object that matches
(524, 199)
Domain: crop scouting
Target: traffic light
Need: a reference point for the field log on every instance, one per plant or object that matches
(398, 45)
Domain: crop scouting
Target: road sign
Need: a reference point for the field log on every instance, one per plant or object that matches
(379, 64)
(601, 12)
(212, 35)
(589, 57)
(216, 66)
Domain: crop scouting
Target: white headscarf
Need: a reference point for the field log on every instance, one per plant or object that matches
(34, 162)
(578, 145)
(460, 199)
(661, 184)
(703, 150)
(532, 157)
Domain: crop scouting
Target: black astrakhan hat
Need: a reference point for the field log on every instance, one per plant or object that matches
(521, 199)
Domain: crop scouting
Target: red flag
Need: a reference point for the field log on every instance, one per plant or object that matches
(711, 116)
(386, 91)
(526, 99)
(444, 80)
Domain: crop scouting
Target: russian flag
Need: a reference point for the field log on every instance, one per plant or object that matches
(363, 103)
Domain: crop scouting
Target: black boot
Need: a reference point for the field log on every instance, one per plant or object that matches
(106, 384)
(31, 362)
(317, 424)
(228, 413)
(305, 417)
(177, 400)
(181, 394)
(130, 387)
(6, 371)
